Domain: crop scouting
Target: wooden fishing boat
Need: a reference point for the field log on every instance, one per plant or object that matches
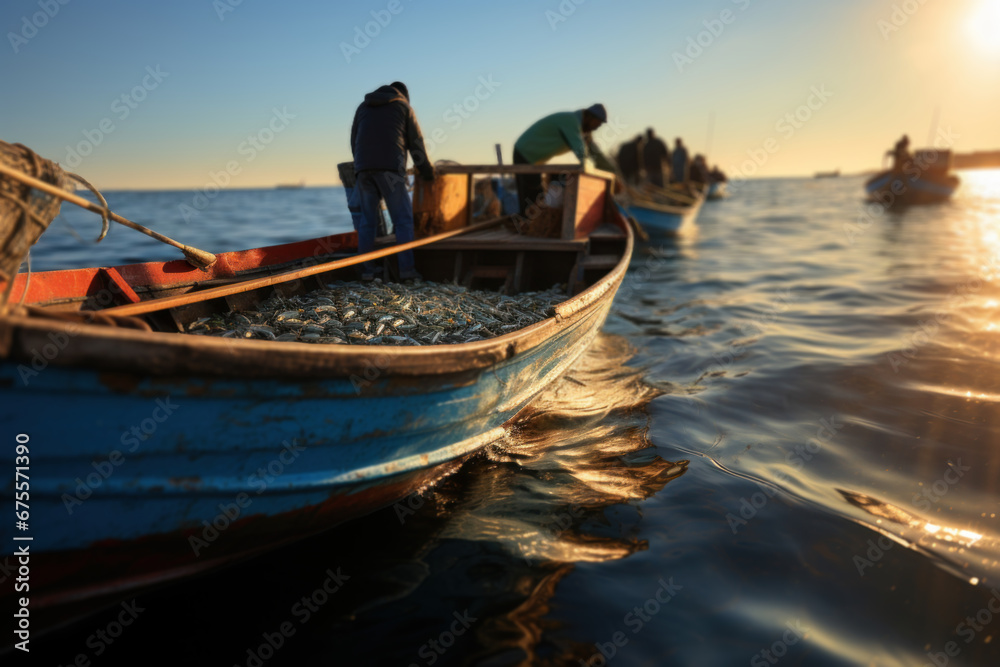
(664, 214)
(926, 179)
(155, 454)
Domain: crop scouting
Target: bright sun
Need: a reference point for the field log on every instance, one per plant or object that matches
(984, 26)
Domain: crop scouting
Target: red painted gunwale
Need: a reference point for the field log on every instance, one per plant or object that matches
(49, 286)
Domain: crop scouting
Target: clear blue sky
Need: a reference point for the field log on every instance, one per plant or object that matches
(225, 69)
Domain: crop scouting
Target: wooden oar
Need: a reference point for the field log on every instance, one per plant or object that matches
(198, 258)
(225, 290)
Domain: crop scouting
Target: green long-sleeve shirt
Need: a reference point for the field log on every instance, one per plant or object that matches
(557, 134)
(553, 135)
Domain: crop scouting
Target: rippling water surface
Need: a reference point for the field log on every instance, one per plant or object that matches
(783, 450)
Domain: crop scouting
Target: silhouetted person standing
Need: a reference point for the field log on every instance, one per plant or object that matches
(679, 163)
(628, 159)
(384, 129)
(901, 153)
(654, 154)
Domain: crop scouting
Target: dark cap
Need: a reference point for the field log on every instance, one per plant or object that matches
(598, 112)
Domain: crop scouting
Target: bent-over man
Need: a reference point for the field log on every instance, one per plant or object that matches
(554, 135)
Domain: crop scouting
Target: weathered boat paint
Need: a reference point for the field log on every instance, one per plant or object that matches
(156, 439)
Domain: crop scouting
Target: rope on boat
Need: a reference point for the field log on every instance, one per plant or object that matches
(35, 188)
(24, 213)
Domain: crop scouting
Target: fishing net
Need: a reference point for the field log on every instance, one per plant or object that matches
(24, 212)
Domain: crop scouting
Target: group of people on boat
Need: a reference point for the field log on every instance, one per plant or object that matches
(385, 130)
(647, 159)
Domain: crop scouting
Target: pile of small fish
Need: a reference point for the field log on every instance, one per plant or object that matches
(377, 313)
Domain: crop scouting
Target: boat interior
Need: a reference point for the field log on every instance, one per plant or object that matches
(586, 238)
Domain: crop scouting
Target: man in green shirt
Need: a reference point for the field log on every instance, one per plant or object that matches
(555, 135)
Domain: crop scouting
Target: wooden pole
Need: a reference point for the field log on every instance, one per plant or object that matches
(198, 258)
(163, 303)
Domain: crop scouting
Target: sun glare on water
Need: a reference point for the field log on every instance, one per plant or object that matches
(984, 27)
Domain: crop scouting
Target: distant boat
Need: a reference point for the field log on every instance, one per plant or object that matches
(664, 213)
(290, 186)
(925, 179)
(828, 174)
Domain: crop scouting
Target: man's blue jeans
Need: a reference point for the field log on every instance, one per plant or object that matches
(354, 206)
(390, 186)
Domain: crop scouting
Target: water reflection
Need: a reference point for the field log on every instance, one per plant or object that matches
(488, 545)
(581, 447)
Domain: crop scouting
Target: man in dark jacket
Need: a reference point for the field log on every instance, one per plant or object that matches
(654, 154)
(384, 130)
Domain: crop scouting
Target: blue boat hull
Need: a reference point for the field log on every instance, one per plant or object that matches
(894, 189)
(199, 465)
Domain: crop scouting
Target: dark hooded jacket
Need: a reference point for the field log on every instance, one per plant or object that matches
(384, 129)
